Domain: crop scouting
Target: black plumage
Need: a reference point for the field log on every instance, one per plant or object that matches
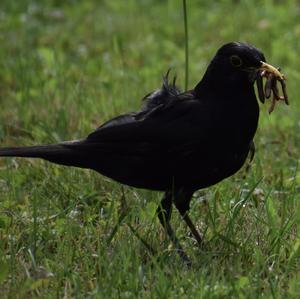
(178, 142)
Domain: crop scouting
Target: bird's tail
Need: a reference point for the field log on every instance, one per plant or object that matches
(40, 151)
(65, 153)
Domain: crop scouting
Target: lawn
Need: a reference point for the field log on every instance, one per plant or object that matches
(68, 66)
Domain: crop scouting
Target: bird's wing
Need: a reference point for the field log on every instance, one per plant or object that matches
(144, 149)
(137, 124)
(167, 127)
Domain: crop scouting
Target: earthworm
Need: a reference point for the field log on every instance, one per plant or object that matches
(271, 88)
(273, 103)
(269, 84)
(285, 96)
(260, 88)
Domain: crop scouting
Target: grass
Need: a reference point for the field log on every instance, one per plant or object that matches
(66, 67)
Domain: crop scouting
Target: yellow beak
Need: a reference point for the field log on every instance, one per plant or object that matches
(271, 69)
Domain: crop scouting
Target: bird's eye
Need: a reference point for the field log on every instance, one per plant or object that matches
(236, 61)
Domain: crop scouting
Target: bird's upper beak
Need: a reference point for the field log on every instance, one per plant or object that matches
(271, 69)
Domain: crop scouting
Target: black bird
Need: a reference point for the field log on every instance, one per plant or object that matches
(178, 142)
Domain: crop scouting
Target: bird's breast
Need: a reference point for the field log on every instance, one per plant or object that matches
(238, 119)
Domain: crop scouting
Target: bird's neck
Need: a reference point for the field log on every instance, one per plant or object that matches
(218, 80)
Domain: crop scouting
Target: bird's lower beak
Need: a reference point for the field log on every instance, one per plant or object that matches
(271, 69)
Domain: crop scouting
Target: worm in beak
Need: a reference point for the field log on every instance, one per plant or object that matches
(272, 75)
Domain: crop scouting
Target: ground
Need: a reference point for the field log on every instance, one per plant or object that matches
(68, 66)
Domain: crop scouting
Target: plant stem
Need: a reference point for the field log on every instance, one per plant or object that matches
(186, 39)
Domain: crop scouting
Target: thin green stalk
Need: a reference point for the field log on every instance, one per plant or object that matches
(32, 250)
(186, 41)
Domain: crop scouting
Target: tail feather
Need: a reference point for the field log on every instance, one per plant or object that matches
(31, 151)
(64, 153)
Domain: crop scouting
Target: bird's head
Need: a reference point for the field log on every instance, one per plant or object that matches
(237, 66)
(236, 58)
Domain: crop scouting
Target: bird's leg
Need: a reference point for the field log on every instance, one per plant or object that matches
(192, 227)
(164, 211)
(182, 203)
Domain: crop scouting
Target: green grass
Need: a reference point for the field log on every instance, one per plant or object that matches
(68, 66)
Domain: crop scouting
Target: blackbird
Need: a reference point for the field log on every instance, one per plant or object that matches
(178, 142)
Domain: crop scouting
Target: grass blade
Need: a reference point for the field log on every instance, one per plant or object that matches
(186, 41)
